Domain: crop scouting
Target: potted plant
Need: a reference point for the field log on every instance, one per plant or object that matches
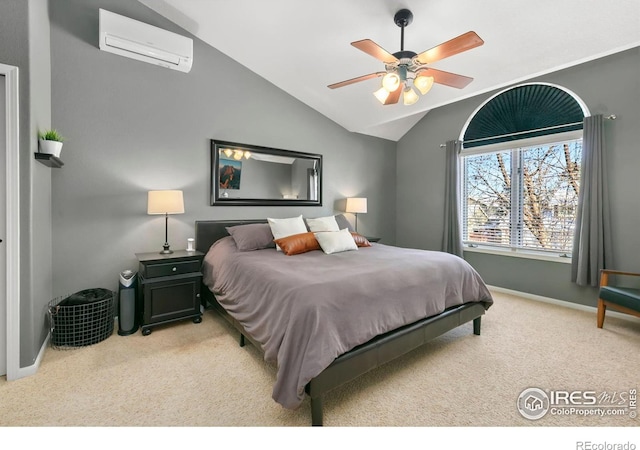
(50, 142)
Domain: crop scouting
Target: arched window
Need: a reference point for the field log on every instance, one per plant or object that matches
(521, 159)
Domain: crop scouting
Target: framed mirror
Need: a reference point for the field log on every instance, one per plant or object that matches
(251, 175)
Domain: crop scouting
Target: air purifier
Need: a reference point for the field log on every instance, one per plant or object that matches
(127, 314)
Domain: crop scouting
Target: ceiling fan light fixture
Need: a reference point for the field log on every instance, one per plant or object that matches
(381, 94)
(423, 83)
(405, 68)
(409, 96)
(391, 81)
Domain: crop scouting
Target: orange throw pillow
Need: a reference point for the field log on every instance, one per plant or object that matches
(298, 243)
(361, 241)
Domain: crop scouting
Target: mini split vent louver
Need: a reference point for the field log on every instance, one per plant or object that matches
(127, 37)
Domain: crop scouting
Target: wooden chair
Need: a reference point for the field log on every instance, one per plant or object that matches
(620, 298)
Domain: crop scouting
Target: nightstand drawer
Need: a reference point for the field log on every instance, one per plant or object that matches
(173, 268)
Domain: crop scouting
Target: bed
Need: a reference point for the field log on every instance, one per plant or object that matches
(326, 319)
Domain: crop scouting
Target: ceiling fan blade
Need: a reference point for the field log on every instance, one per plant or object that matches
(447, 78)
(373, 49)
(459, 44)
(394, 96)
(356, 80)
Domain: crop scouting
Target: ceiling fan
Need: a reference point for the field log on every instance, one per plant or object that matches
(406, 68)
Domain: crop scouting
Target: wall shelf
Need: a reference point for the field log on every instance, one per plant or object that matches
(49, 160)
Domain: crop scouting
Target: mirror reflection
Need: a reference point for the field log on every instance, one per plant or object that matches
(252, 175)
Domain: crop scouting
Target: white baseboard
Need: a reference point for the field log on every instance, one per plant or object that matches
(23, 372)
(553, 301)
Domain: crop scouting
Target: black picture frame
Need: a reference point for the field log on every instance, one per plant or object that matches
(220, 197)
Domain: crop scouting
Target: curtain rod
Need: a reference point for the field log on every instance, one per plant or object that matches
(609, 117)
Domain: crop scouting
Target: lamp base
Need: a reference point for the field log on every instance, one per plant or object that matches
(166, 250)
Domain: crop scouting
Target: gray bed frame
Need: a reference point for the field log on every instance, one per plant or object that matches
(361, 359)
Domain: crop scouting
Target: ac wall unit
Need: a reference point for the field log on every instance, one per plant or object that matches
(133, 39)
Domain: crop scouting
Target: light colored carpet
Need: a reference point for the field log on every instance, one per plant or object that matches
(188, 375)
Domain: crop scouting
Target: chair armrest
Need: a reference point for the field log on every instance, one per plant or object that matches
(604, 275)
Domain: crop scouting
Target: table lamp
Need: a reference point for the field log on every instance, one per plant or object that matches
(356, 205)
(165, 202)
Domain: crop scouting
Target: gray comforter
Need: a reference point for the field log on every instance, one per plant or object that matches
(305, 310)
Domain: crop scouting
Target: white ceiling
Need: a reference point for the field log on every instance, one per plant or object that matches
(303, 46)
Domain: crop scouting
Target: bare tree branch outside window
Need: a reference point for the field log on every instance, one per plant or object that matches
(540, 207)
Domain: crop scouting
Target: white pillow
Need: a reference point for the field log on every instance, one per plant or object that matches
(281, 228)
(336, 241)
(323, 224)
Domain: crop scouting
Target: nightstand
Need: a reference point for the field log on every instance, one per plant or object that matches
(372, 238)
(169, 287)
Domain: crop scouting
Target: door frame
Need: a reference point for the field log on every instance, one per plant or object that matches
(13, 220)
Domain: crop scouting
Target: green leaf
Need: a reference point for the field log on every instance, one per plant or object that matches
(50, 135)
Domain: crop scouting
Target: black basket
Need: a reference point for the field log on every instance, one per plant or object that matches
(84, 318)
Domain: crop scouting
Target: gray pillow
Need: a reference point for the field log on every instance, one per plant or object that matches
(343, 222)
(252, 236)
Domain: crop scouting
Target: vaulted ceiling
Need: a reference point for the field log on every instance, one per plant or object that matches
(303, 46)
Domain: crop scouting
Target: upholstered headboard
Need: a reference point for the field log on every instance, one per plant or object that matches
(209, 231)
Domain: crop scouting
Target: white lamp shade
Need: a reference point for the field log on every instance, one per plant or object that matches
(165, 202)
(356, 205)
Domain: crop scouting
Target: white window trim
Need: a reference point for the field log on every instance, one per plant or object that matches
(563, 258)
(527, 142)
(544, 255)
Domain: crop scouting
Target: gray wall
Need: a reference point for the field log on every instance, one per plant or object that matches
(24, 43)
(608, 86)
(132, 127)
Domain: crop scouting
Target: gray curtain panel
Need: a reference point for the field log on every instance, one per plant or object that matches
(592, 238)
(452, 236)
